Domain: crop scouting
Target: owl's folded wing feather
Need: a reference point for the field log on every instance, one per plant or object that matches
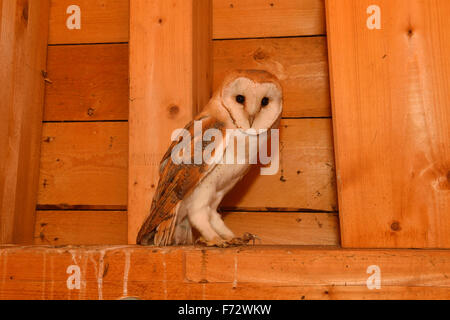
(176, 182)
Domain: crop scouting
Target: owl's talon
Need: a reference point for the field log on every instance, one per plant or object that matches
(250, 237)
(246, 238)
(235, 242)
(219, 243)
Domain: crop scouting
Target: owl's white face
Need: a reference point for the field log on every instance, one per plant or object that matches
(252, 105)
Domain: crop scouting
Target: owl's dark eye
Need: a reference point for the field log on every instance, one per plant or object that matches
(265, 101)
(240, 99)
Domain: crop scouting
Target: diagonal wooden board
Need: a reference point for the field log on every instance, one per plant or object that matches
(391, 110)
(295, 273)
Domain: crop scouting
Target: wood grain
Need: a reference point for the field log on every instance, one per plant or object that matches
(295, 273)
(314, 266)
(170, 77)
(23, 52)
(391, 104)
(80, 228)
(279, 18)
(84, 164)
(300, 63)
(110, 227)
(108, 21)
(102, 21)
(88, 82)
(286, 228)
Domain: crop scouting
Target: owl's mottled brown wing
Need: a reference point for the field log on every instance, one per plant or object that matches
(176, 182)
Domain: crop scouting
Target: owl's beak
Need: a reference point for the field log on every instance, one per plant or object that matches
(250, 120)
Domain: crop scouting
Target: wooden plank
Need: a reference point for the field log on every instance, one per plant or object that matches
(83, 154)
(300, 63)
(170, 79)
(91, 82)
(88, 82)
(23, 51)
(293, 228)
(391, 104)
(291, 266)
(251, 291)
(58, 228)
(84, 164)
(153, 290)
(110, 227)
(101, 22)
(240, 273)
(274, 18)
(106, 22)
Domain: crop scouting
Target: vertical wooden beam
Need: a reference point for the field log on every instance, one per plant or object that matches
(170, 80)
(391, 109)
(23, 52)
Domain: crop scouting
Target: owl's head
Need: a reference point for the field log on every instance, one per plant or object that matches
(253, 99)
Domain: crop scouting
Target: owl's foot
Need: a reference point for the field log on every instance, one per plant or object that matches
(216, 242)
(235, 242)
(245, 240)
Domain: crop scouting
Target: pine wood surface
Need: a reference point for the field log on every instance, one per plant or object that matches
(391, 113)
(23, 52)
(297, 273)
(85, 164)
(107, 21)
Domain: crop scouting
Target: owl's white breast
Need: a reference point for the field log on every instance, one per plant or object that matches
(210, 191)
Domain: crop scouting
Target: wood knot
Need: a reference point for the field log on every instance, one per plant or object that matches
(174, 111)
(395, 226)
(25, 12)
(91, 112)
(410, 32)
(259, 55)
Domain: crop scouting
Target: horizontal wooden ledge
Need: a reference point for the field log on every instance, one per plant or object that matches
(269, 272)
(101, 21)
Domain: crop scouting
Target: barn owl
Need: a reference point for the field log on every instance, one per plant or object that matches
(249, 102)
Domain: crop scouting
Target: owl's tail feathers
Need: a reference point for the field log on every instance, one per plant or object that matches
(152, 233)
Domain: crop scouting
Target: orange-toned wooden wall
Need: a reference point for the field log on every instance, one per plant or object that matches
(82, 195)
(83, 169)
